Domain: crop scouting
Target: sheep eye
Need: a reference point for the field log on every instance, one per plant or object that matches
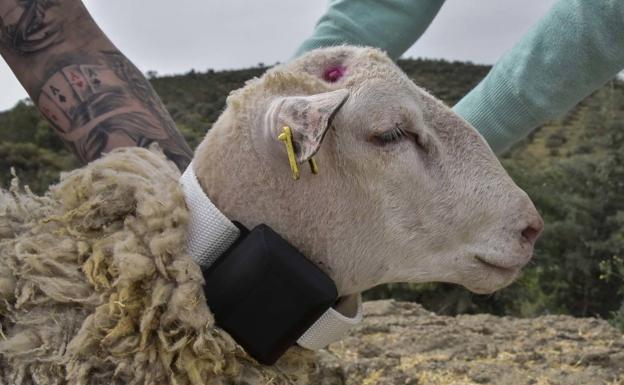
(396, 134)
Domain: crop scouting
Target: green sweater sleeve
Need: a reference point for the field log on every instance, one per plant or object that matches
(392, 25)
(574, 49)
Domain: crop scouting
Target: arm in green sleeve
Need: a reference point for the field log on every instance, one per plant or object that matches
(574, 49)
(391, 25)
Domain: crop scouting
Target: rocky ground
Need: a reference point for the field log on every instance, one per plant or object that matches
(402, 343)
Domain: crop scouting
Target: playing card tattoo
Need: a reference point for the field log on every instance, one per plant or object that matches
(96, 108)
(95, 98)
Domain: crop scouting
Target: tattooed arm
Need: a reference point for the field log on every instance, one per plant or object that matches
(93, 96)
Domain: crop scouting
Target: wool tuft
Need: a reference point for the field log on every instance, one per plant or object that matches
(96, 286)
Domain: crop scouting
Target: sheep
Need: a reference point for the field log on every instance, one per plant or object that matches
(97, 286)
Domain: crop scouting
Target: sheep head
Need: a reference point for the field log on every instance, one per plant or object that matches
(407, 191)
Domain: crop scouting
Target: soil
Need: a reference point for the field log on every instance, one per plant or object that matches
(402, 343)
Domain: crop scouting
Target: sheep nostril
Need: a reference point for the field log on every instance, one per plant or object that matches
(533, 231)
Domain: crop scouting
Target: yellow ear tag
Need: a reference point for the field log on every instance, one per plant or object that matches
(287, 138)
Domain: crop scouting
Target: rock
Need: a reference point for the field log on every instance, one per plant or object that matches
(402, 343)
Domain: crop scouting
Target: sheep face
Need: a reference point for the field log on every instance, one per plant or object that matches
(407, 191)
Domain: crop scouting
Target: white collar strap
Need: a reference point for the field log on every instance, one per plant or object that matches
(210, 234)
(333, 325)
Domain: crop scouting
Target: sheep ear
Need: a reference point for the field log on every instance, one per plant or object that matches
(308, 117)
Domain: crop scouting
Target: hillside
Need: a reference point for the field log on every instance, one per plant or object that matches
(572, 168)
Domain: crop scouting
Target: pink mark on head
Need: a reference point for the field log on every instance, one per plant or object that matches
(333, 73)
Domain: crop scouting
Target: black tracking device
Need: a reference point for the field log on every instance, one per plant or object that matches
(265, 293)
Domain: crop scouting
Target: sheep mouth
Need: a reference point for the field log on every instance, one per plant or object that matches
(505, 270)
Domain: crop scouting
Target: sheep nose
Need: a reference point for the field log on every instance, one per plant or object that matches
(533, 230)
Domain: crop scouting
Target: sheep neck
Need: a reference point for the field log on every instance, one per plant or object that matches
(211, 233)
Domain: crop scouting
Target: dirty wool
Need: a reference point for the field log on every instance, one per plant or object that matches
(96, 286)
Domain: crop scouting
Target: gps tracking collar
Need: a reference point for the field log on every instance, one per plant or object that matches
(260, 288)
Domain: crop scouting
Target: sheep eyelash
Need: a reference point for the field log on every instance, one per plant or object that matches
(394, 135)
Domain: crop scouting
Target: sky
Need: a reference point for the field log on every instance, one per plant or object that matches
(203, 34)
